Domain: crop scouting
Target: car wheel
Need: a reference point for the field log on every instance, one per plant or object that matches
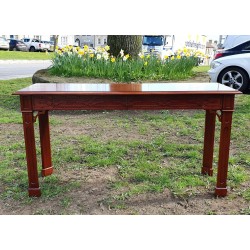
(234, 77)
(32, 49)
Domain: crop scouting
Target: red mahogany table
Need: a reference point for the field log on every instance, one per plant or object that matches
(38, 99)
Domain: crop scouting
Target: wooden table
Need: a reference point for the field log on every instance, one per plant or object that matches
(215, 99)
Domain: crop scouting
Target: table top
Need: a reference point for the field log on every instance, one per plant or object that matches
(125, 89)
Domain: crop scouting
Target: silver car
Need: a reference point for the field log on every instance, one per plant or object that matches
(4, 44)
(232, 71)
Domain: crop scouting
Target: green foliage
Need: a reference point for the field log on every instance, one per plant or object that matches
(73, 62)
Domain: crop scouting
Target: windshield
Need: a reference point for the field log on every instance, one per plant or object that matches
(3, 39)
(152, 40)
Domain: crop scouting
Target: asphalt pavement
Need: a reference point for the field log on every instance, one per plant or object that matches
(11, 69)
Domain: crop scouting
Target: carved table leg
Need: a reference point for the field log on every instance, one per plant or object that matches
(47, 168)
(226, 123)
(208, 143)
(30, 146)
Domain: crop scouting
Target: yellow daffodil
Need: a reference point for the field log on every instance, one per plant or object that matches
(146, 63)
(178, 57)
(99, 49)
(127, 56)
(86, 48)
(81, 52)
(172, 57)
(59, 52)
(148, 56)
(112, 59)
(91, 55)
(141, 55)
(166, 56)
(107, 48)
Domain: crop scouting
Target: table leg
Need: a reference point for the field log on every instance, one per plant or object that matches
(209, 142)
(226, 123)
(47, 168)
(30, 146)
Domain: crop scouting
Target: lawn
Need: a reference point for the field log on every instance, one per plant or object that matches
(19, 55)
(122, 162)
(201, 68)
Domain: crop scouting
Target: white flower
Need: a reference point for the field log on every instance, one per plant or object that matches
(122, 53)
(124, 58)
(105, 55)
(98, 57)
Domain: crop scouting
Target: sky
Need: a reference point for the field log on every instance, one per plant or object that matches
(115, 17)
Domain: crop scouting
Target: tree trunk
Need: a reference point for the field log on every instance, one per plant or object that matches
(131, 45)
(55, 37)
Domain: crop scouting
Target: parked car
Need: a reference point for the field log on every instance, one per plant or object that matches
(51, 45)
(17, 45)
(232, 71)
(46, 45)
(4, 44)
(34, 44)
(239, 49)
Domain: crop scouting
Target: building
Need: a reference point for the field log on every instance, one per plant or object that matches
(91, 40)
(211, 48)
(63, 40)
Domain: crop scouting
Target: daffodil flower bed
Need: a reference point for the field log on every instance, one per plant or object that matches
(84, 62)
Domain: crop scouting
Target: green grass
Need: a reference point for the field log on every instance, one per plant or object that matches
(20, 55)
(201, 69)
(10, 104)
(169, 155)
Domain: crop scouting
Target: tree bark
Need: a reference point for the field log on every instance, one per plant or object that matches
(131, 45)
(55, 37)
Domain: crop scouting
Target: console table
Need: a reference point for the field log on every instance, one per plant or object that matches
(40, 98)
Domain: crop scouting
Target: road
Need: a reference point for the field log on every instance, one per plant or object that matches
(11, 69)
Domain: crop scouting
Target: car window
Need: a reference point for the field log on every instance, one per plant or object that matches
(243, 46)
(246, 46)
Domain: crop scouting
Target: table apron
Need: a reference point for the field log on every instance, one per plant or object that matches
(121, 102)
